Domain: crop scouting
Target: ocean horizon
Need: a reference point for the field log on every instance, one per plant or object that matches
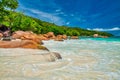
(114, 38)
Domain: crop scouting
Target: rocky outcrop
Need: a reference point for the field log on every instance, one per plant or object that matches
(19, 34)
(52, 56)
(95, 35)
(105, 37)
(58, 39)
(21, 44)
(64, 36)
(42, 37)
(99, 36)
(1, 35)
(61, 37)
(27, 35)
(32, 37)
(74, 37)
(49, 35)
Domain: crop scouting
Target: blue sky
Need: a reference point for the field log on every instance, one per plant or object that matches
(101, 15)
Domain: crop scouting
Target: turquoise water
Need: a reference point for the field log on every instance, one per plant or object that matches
(110, 39)
(82, 59)
(103, 62)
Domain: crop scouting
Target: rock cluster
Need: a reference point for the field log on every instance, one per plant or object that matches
(28, 39)
(60, 37)
(28, 35)
(97, 35)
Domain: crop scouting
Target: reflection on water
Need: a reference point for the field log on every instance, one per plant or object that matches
(82, 60)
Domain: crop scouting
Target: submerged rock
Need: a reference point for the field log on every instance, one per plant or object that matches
(42, 47)
(57, 55)
(52, 56)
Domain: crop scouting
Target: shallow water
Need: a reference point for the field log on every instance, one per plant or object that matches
(84, 59)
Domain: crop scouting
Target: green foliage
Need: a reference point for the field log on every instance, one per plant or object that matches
(11, 4)
(7, 5)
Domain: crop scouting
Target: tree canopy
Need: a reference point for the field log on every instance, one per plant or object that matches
(7, 5)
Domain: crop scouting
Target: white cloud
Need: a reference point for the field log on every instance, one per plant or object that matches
(115, 28)
(49, 16)
(101, 29)
(88, 29)
(58, 10)
(46, 16)
(68, 23)
(60, 13)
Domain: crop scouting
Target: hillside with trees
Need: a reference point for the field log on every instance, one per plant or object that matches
(20, 21)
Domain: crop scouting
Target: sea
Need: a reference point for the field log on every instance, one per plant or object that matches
(82, 59)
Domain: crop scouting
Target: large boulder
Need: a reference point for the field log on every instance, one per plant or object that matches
(21, 44)
(59, 38)
(42, 37)
(1, 35)
(95, 35)
(18, 34)
(64, 36)
(52, 56)
(49, 35)
(32, 37)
